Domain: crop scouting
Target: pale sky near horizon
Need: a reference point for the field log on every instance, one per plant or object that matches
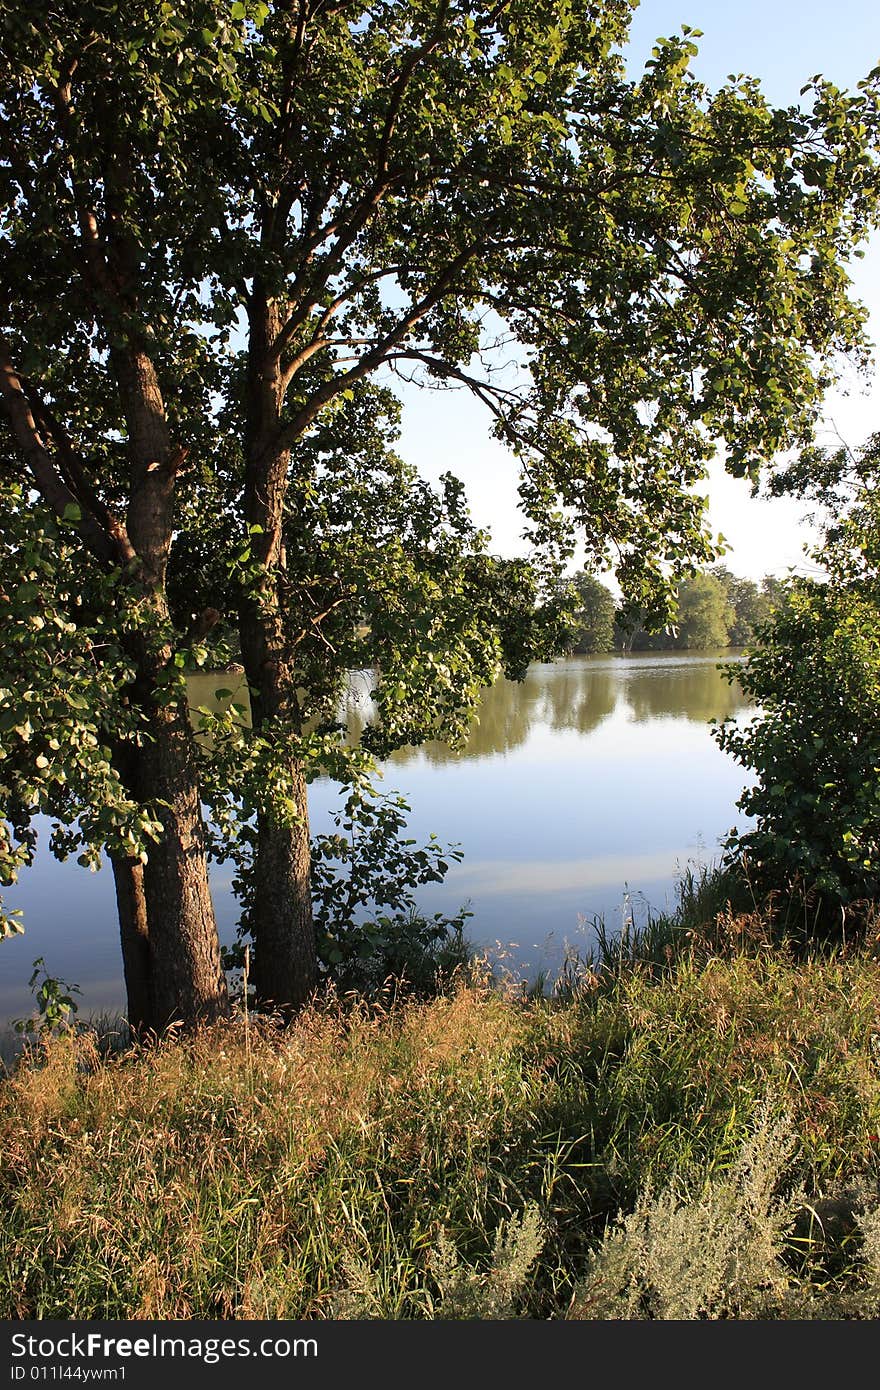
(783, 43)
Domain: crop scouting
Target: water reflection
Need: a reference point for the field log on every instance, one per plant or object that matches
(689, 688)
(578, 695)
(202, 689)
(583, 789)
(592, 781)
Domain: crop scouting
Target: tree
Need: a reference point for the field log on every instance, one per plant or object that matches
(750, 602)
(592, 624)
(704, 617)
(226, 225)
(814, 749)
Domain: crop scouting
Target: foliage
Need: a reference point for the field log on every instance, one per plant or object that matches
(815, 748)
(463, 1292)
(60, 707)
(493, 1293)
(226, 228)
(703, 616)
(715, 1254)
(369, 928)
(592, 624)
(54, 999)
(367, 865)
(751, 604)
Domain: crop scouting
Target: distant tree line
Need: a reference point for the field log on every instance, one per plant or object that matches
(713, 608)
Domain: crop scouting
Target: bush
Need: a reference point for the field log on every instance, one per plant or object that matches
(369, 929)
(716, 1253)
(815, 748)
(364, 878)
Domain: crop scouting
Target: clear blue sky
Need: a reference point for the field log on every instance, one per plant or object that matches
(783, 43)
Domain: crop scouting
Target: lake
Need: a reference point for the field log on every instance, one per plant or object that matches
(583, 791)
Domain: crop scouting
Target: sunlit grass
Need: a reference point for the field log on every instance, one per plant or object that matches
(460, 1157)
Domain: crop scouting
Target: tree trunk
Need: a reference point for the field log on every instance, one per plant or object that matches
(131, 906)
(171, 951)
(285, 957)
(170, 946)
(284, 970)
(186, 980)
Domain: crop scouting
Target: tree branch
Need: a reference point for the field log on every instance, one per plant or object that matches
(46, 477)
(290, 432)
(383, 180)
(317, 342)
(74, 474)
(93, 253)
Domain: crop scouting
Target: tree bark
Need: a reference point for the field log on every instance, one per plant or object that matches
(186, 980)
(170, 946)
(285, 956)
(285, 953)
(131, 906)
(284, 971)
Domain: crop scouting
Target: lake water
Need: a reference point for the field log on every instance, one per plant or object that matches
(583, 791)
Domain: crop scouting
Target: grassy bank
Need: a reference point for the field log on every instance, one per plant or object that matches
(472, 1156)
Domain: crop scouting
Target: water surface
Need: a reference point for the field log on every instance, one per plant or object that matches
(583, 791)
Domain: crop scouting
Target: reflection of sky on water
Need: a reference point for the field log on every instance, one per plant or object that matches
(495, 877)
(594, 777)
(560, 813)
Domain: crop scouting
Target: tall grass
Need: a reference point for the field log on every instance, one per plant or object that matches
(480, 1154)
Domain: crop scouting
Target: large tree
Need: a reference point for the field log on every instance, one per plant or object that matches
(751, 603)
(591, 628)
(226, 226)
(704, 616)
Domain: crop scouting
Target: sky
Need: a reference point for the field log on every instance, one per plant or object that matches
(783, 43)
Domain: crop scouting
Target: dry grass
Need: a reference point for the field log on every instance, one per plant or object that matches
(463, 1157)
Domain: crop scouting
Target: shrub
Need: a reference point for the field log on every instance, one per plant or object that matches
(364, 880)
(714, 1254)
(815, 747)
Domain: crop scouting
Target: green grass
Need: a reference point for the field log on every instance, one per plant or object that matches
(476, 1155)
